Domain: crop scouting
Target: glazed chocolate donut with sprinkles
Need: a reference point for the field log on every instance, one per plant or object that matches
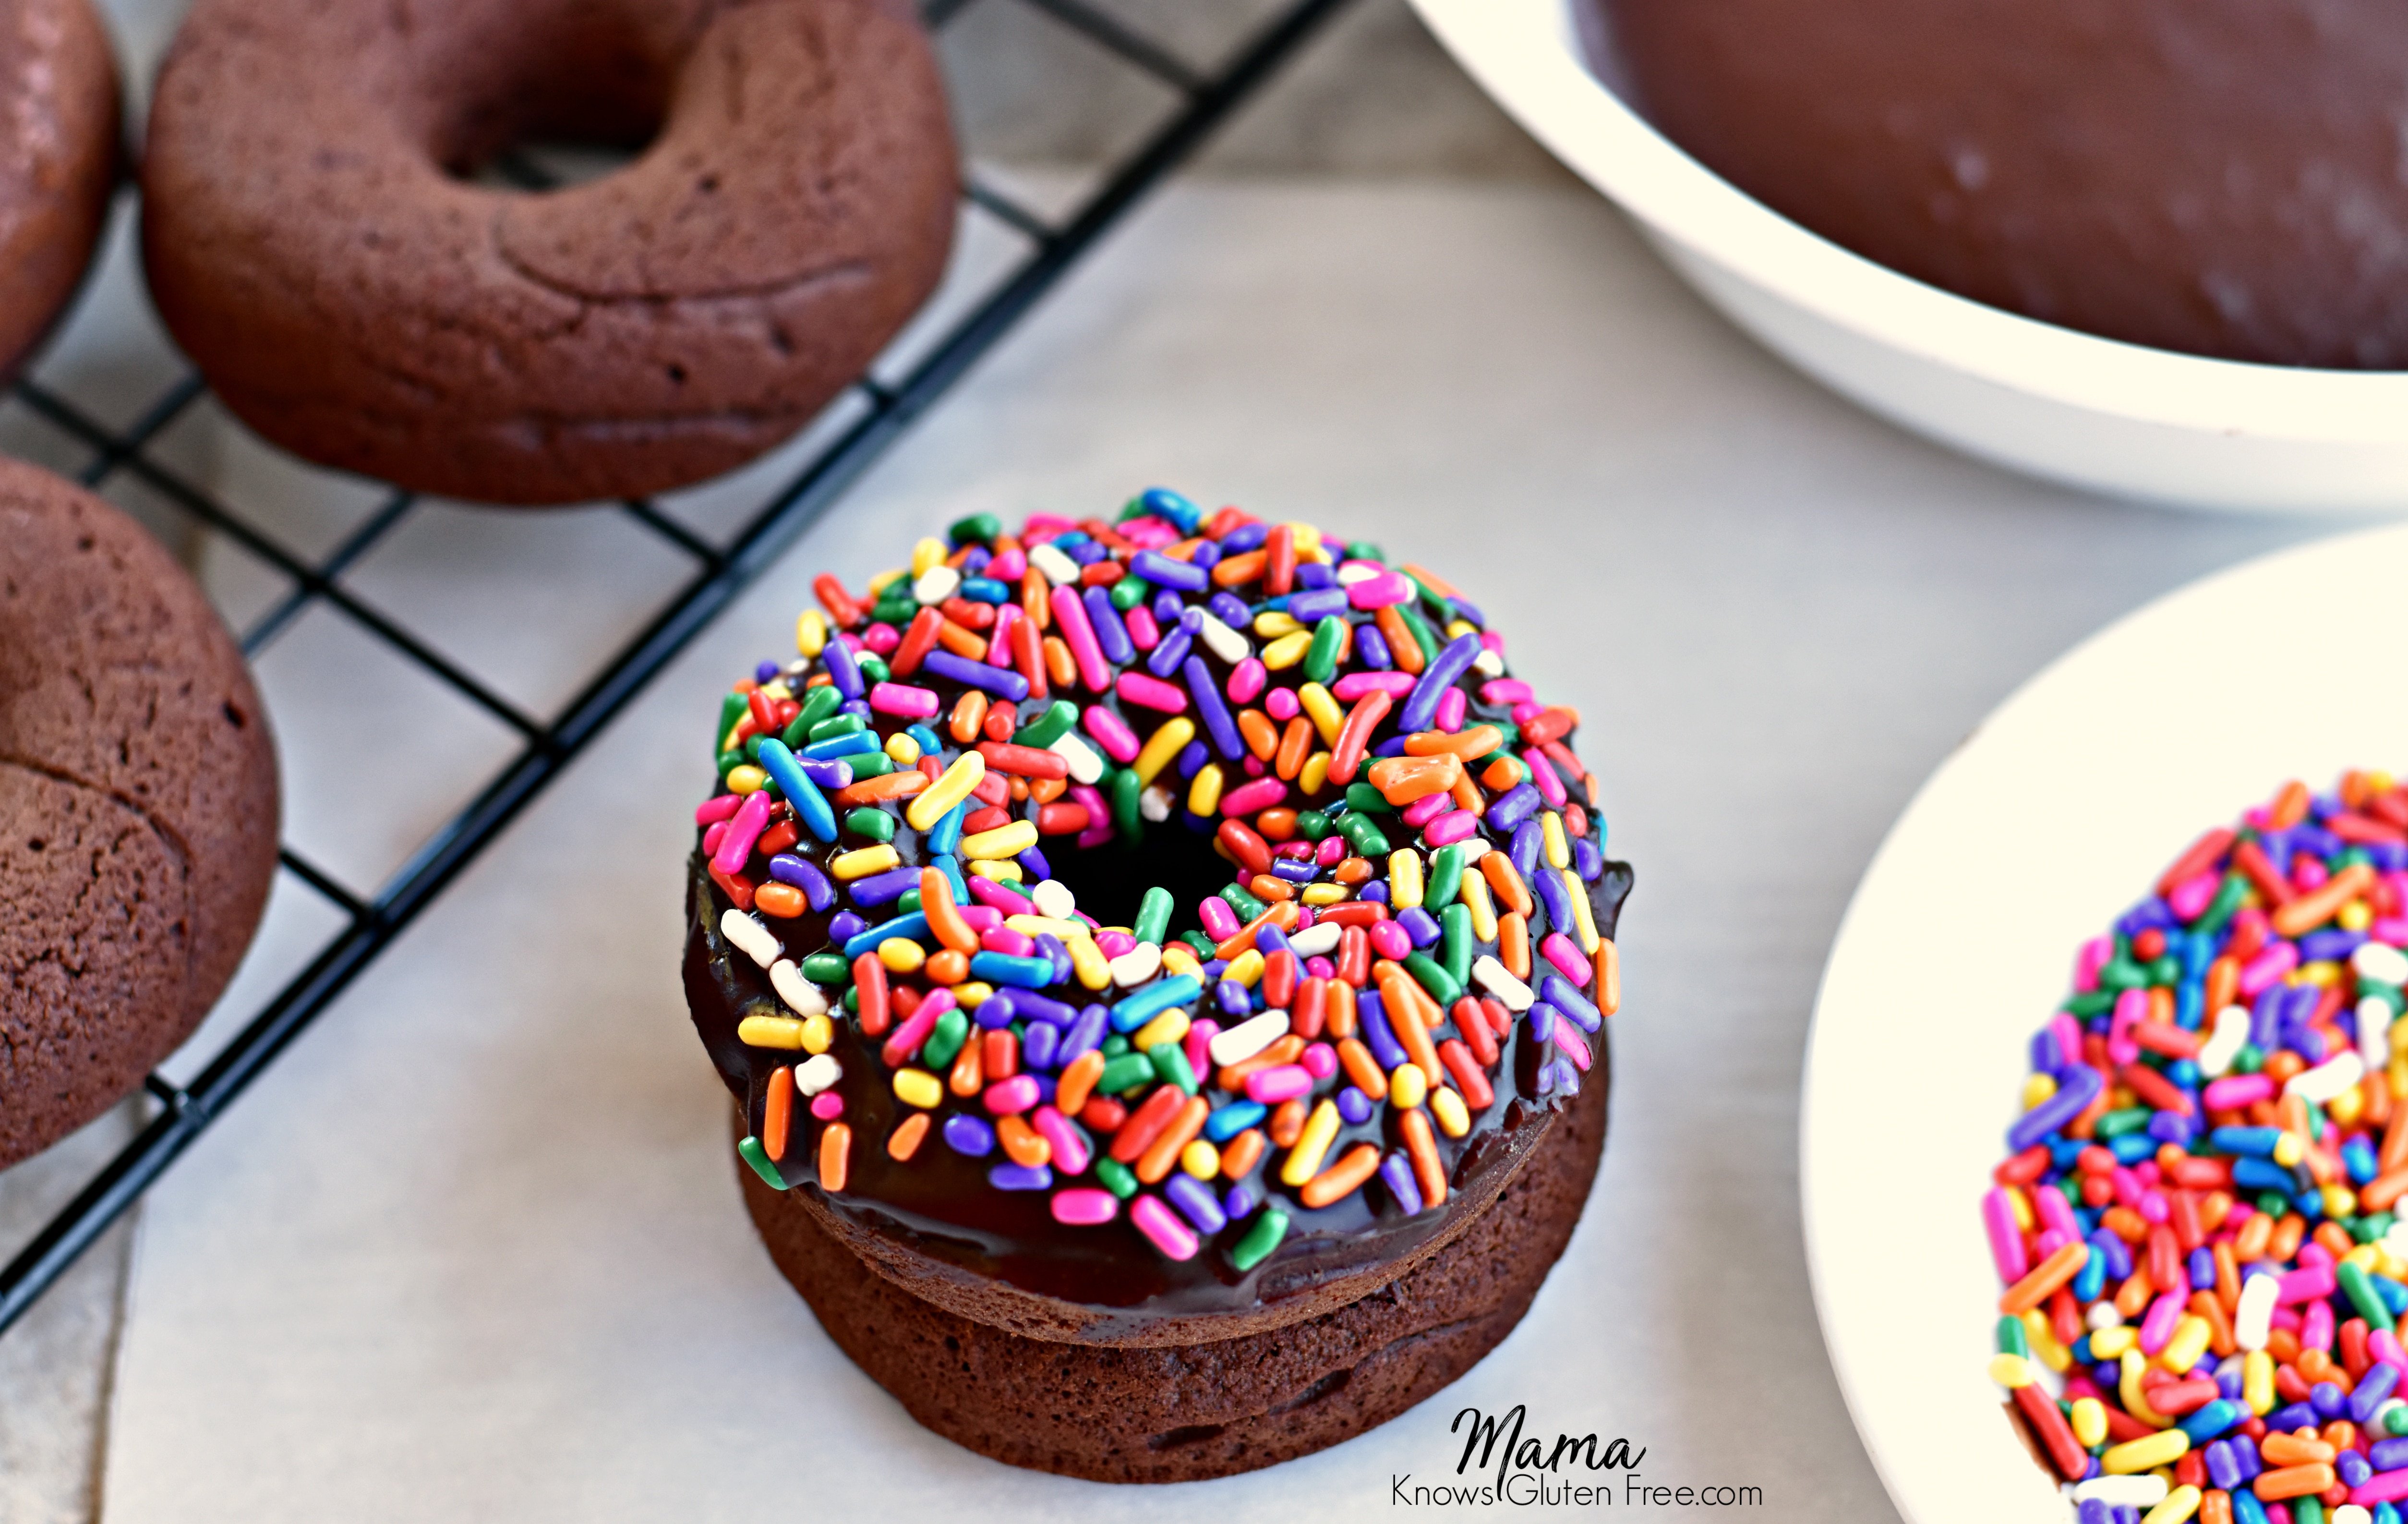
(1149, 932)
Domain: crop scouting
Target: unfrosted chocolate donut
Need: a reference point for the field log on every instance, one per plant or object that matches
(309, 245)
(58, 159)
(138, 806)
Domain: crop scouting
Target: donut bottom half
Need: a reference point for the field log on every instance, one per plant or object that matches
(1185, 1413)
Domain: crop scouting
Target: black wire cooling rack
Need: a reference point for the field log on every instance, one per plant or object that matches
(879, 415)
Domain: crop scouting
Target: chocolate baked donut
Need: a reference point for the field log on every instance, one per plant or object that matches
(2221, 177)
(138, 806)
(58, 161)
(310, 244)
(1095, 1198)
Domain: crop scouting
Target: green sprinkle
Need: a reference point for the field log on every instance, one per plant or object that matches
(729, 762)
(1202, 943)
(871, 821)
(1265, 1236)
(2090, 1004)
(1312, 825)
(1050, 727)
(2398, 1421)
(1363, 796)
(818, 704)
(1117, 1177)
(1321, 657)
(1246, 905)
(953, 1028)
(1445, 878)
(1124, 1072)
(908, 902)
(852, 999)
(826, 969)
(757, 1157)
(1363, 550)
(2011, 1340)
(1423, 635)
(1169, 1062)
(1444, 987)
(870, 765)
(834, 726)
(978, 530)
(2121, 973)
(1153, 910)
(2249, 1060)
(2361, 1295)
(731, 709)
(2130, 1119)
(873, 668)
(1128, 817)
(1128, 592)
(1363, 836)
(1115, 1046)
(1454, 944)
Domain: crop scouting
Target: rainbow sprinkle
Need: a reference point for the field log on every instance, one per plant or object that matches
(2195, 1231)
(1410, 840)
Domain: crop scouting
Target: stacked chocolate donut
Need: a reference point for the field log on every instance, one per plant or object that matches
(933, 954)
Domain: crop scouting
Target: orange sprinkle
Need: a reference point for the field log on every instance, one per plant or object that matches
(777, 1113)
(1022, 1144)
(835, 1156)
(1362, 1068)
(1078, 1082)
(2046, 1277)
(904, 1140)
(1242, 1153)
(969, 712)
(1287, 1123)
(1335, 1182)
(899, 784)
(1154, 1164)
(1421, 1148)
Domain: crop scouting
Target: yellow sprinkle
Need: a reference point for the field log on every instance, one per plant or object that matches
(1404, 879)
(1324, 894)
(847, 865)
(879, 582)
(2356, 916)
(952, 788)
(918, 1087)
(1286, 651)
(811, 632)
(746, 779)
(1271, 624)
(2037, 1089)
(2345, 1107)
(1007, 840)
(1327, 717)
(903, 749)
(2109, 1344)
(2365, 1256)
(2089, 1421)
(1454, 1118)
(2184, 1349)
(2044, 1345)
(2011, 1371)
(2290, 1149)
(1308, 538)
(1037, 926)
(2158, 1449)
(1001, 873)
(819, 1033)
(1577, 893)
(770, 1032)
(1204, 794)
(1407, 1088)
(1484, 910)
(2318, 974)
(902, 955)
(2178, 1505)
(2340, 1201)
(927, 555)
(1304, 1159)
(2258, 1381)
(1178, 957)
(1551, 830)
(1246, 968)
(1200, 1159)
(1169, 1027)
(2017, 1202)
(1163, 747)
(1093, 970)
(1314, 773)
(972, 994)
(1457, 630)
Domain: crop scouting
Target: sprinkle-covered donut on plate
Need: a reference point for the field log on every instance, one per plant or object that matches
(1163, 967)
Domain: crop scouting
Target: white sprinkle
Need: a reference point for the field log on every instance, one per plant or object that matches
(755, 939)
(2253, 1315)
(1058, 567)
(1135, 966)
(2216, 1053)
(2141, 1491)
(2102, 1315)
(1248, 1037)
(801, 996)
(937, 584)
(1223, 641)
(2384, 964)
(1491, 976)
(1488, 663)
(2327, 1079)
(1154, 804)
(1054, 899)
(2375, 1030)
(817, 1072)
(1322, 938)
(1085, 765)
(1359, 571)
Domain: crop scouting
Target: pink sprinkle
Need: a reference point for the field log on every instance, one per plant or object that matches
(1253, 766)
(2090, 961)
(2309, 1281)
(1557, 949)
(2261, 972)
(1283, 1082)
(712, 837)
(1382, 591)
(1070, 1153)
(2383, 1487)
(1111, 733)
(2390, 929)
(2234, 1091)
(1143, 632)
(2157, 1325)
(2285, 1318)
(1070, 617)
(2049, 1239)
(1114, 943)
(2153, 1206)
(1389, 941)
(1009, 567)
(1525, 712)
(2006, 1242)
(1320, 1061)
(1161, 1225)
(981, 918)
(1425, 808)
(1543, 773)
(1044, 526)
(1505, 690)
(2131, 1009)
(827, 1105)
(2383, 1345)
(1246, 680)
(998, 640)
(1100, 817)
(1355, 685)
(722, 808)
(987, 892)
(1220, 923)
(882, 637)
(2316, 1327)
(1197, 1044)
(1148, 533)
(1320, 967)
(1451, 705)
(2191, 897)
(1450, 828)
(903, 699)
(1262, 793)
(736, 847)
(2308, 873)
(1151, 693)
(1283, 704)
(1304, 919)
(1331, 852)
(1002, 938)
(1010, 1097)
(1575, 1046)
(2314, 1252)
(2058, 1217)
(1492, 640)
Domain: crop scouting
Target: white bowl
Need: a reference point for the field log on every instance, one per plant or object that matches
(2119, 418)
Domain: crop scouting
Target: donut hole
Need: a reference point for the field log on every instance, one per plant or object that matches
(1109, 881)
(570, 100)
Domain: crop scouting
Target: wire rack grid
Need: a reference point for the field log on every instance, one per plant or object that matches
(130, 449)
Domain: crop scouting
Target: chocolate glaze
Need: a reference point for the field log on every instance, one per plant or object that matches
(938, 1206)
(2226, 177)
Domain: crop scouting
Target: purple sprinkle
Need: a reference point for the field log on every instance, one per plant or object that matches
(1269, 939)
(1557, 899)
(1002, 682)
(1230, 610)
(1371, 648)
(1320, 603)
(765, 671)
(805, 875)
(1193, 1200)
(1419, 924)
(1295, 870)
(1397, 1173)
(884, 888)
(858, 708)
(1355, 1106)
(1167, 656)
(1312, 574)
(1239, 1202)
(1207, 555)
(1375, 892)
(969, 1135)
(1587, 860)
(846, 925)
(1049, 947)
(1373, 1020)
(1209, 707)
(1192, 759)
(1028, 1004)
(1530, 839)
(1393, 746)
(842, 671)
(1517, 805)
(1111, 633)
(1033, 863)
(1542, 1021)
(997, 1011)
(1022, 1177)
(829, 772)
(1084, 1035)
(1163, 572)
(1038, 1043)
(1233, 997)
(1421, 706)
(1244, 537)
(1558, 992)
(1470, 611)
(1166, 609)
(1081, 549)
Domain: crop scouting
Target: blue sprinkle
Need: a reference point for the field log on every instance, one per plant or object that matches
(1155, 999)
(859, 744)
(1234, 1118)
(808, 802)
(914, 926)
(1005, 968)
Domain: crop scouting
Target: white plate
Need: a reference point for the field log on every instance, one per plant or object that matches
(2052, 819)
(2117, 417)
